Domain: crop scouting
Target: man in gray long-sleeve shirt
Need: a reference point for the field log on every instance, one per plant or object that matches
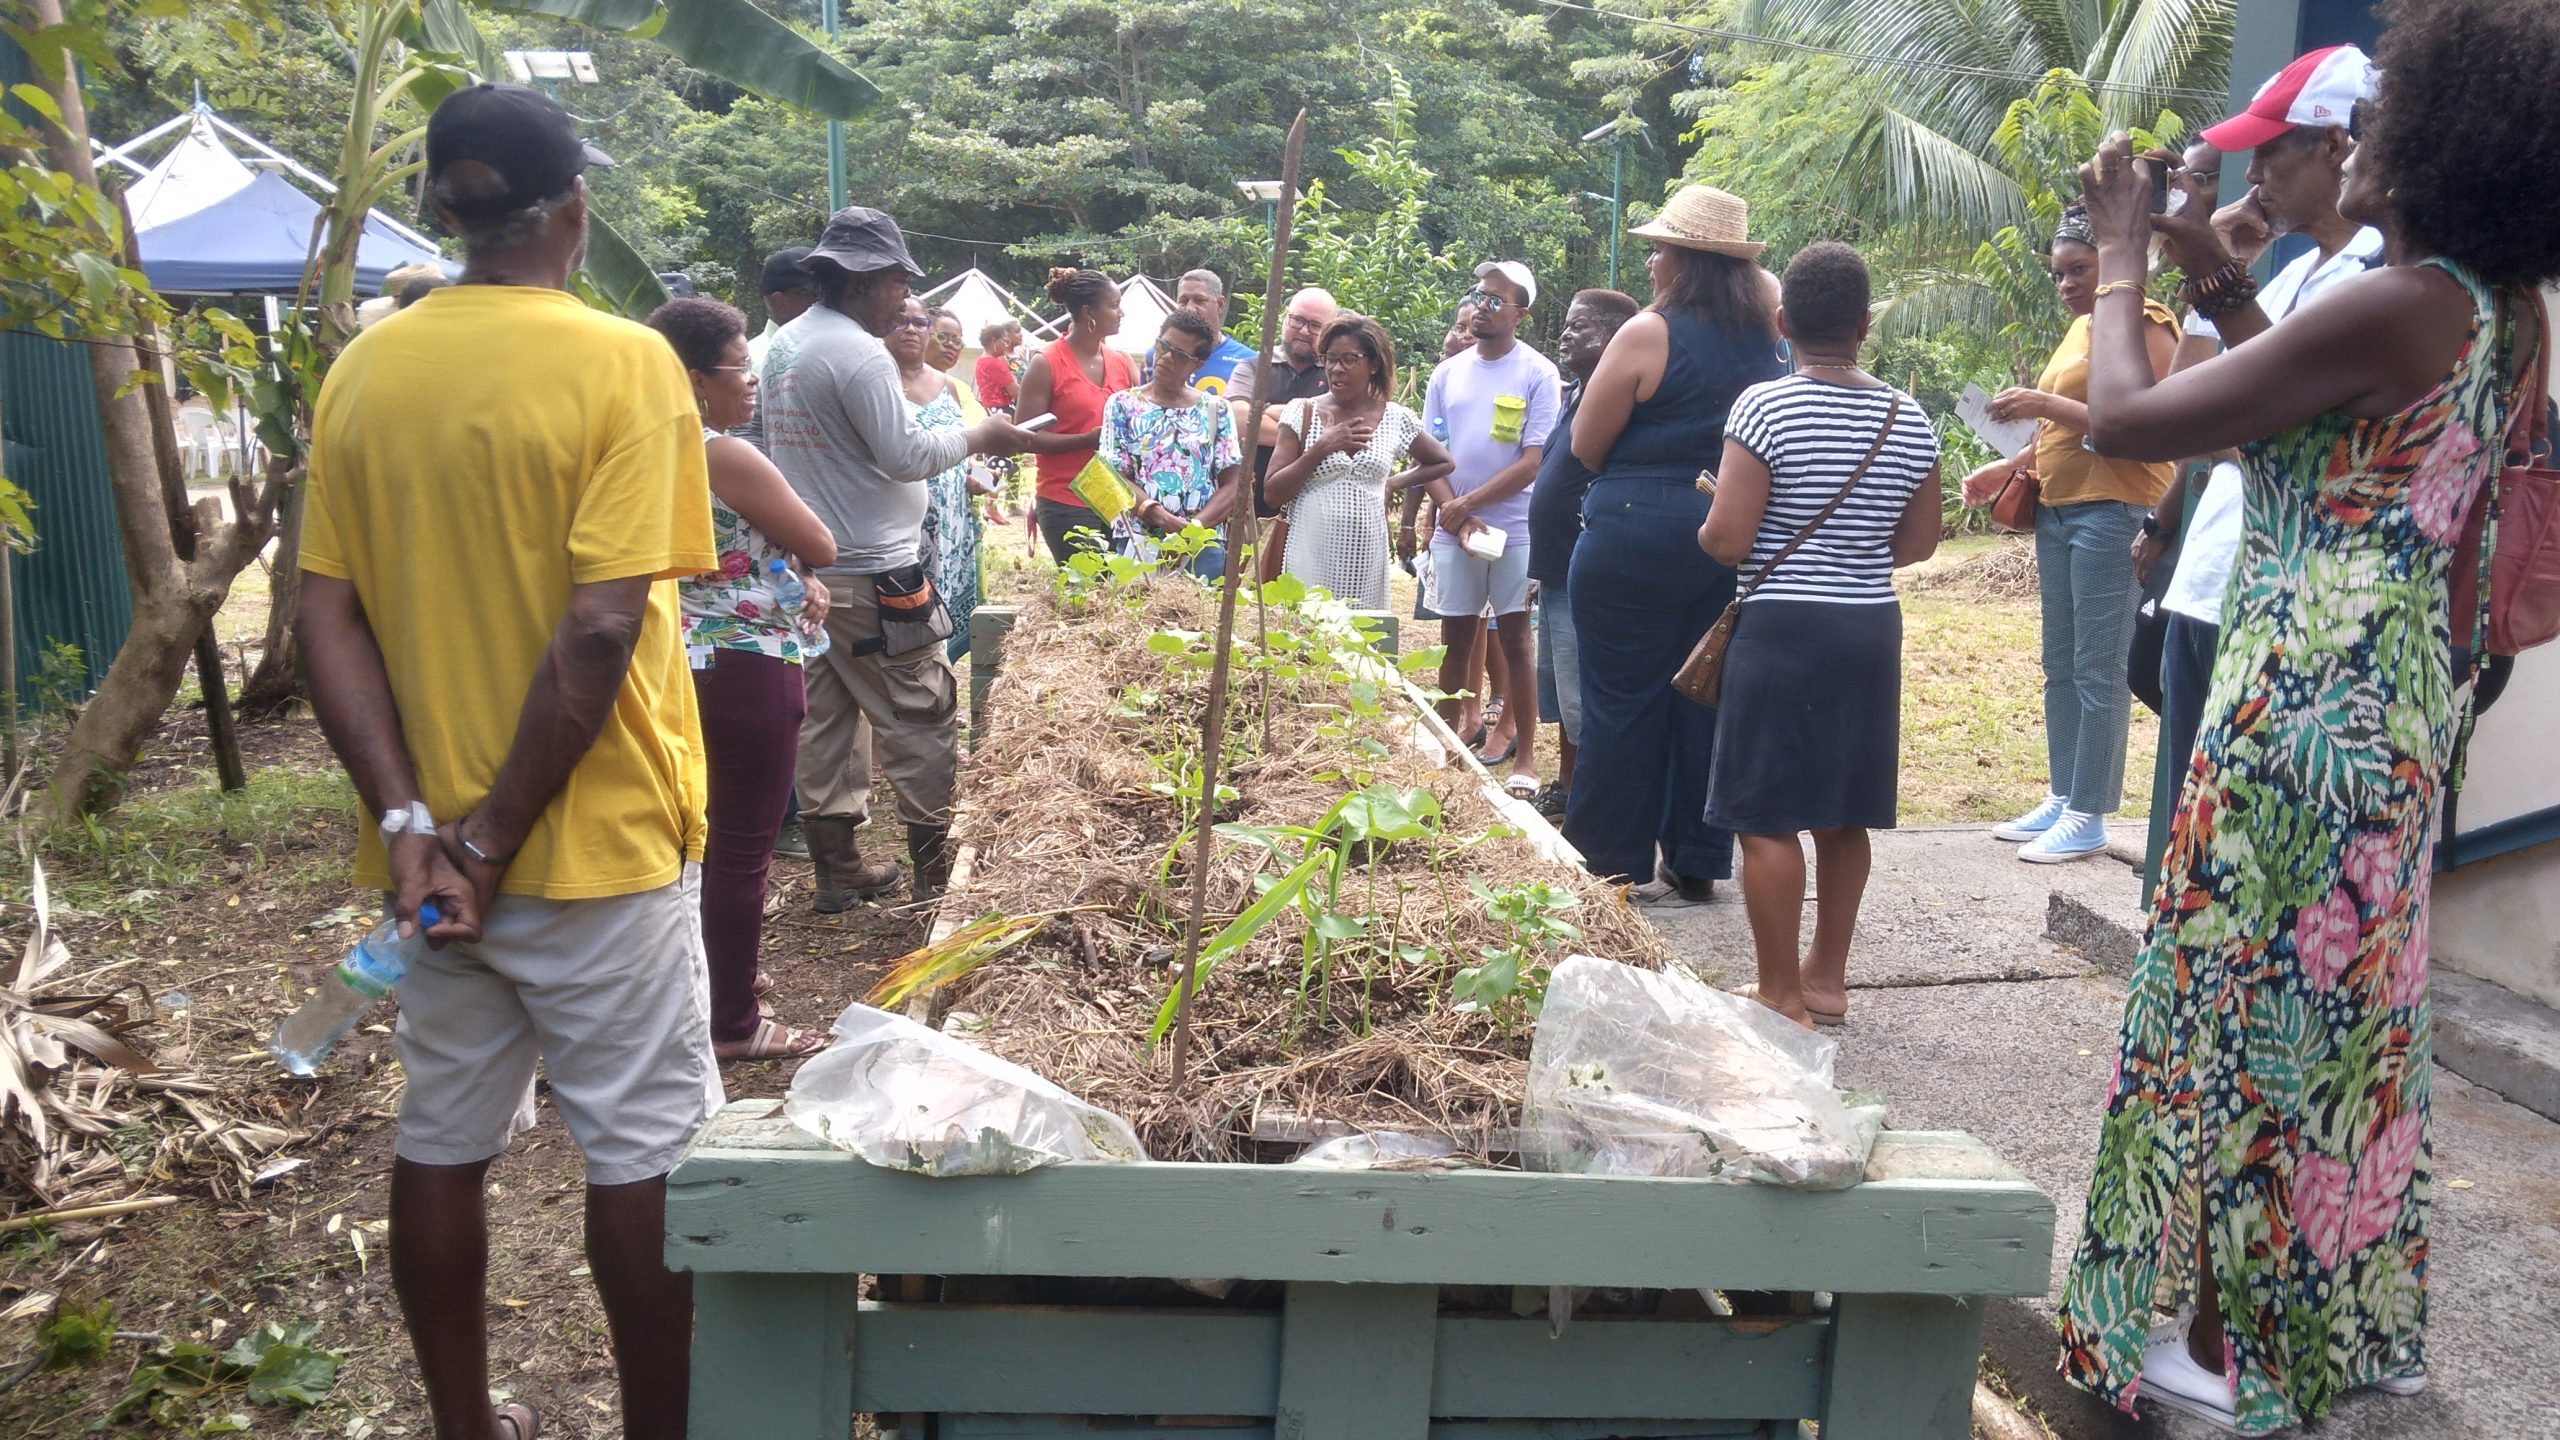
(836, 422)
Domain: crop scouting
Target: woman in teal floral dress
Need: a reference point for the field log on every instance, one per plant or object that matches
(950, 519)
(2267, 1123)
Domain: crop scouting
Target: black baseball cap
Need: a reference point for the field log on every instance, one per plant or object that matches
(522, 134)
(783, 271)
(861, 239)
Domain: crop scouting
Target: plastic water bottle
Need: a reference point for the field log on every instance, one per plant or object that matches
(369, 972)
(793, 592)
(1440, 428)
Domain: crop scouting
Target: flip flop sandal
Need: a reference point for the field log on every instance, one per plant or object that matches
(520, 1423)
(772, 1041)
(1521, 787)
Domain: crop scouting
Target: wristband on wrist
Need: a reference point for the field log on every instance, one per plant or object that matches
(409, 819)
(475, 852)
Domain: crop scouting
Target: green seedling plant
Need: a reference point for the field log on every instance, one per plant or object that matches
(77, 1335)
(1511, 983)
(1360, 824)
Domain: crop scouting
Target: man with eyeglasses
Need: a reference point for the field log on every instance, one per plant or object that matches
(1493, 405)
(1296, 374)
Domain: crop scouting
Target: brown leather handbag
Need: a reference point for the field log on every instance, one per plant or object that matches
(2014, 507)
(1701, 677)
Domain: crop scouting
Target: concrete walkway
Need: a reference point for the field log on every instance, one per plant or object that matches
(1968, 1016)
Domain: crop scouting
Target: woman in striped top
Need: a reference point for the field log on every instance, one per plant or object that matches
(1808, 733)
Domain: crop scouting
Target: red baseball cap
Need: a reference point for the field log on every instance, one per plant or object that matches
(2318, 89)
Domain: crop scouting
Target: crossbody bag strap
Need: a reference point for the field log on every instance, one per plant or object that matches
(1891, 417)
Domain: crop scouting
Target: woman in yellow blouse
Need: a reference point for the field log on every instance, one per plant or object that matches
(2091, 507)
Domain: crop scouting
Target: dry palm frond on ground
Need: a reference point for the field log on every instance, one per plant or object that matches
(1075, 797)
(89, 1124)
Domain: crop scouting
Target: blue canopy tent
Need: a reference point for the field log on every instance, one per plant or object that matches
(256, 240)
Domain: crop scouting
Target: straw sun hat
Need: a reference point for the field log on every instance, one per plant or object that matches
(1701, 217)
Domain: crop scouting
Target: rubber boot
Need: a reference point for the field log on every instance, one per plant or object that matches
(844, 879)
(929, 847)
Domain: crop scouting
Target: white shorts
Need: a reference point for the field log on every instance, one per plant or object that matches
(613, 996)
(1463, 584)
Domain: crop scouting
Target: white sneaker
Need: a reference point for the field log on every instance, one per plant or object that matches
(2403, 1386)
(2032, 824)
(2171, 1377)
(2076, 836)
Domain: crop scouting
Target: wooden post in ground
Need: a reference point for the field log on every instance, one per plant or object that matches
(1213, 727)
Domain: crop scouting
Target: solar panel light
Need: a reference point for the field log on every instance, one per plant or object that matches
(575, 66)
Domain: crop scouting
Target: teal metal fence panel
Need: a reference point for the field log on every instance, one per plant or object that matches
(72, 590)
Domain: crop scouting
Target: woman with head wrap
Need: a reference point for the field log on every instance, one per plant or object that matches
(2091, 508)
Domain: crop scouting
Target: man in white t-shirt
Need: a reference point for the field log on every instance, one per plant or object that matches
(1493, 405)
(2297, 141)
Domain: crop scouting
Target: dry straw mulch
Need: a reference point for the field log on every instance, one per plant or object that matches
(1062, 801)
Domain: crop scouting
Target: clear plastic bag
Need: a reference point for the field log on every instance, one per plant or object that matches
(909, 1098)
(1637, 1072)
(1382, 1150)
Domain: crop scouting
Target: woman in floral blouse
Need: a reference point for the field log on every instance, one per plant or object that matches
(1176, 447)
(746, 671)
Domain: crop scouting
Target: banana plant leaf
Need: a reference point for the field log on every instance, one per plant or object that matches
(728, 38)
(622, 279)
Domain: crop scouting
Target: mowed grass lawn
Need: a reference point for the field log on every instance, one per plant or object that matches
(1973, 696)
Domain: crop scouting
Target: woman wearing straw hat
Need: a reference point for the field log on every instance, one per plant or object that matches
(1651, 422)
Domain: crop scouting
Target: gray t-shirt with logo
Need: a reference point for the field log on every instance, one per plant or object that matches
(837, 425)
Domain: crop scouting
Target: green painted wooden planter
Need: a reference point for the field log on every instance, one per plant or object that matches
(779, 1230)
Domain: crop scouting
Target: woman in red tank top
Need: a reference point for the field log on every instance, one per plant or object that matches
(1070, 379)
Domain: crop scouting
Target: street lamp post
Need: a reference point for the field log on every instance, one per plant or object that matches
(1615, 132)
(1268, 192)
(833, 23)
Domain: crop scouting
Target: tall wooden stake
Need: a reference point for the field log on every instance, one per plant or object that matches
(1240, 531)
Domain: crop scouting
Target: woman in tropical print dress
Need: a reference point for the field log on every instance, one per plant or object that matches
(950, 524)
(2266, 1128)
(1176, 447)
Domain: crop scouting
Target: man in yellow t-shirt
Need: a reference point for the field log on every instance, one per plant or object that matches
(503, 484)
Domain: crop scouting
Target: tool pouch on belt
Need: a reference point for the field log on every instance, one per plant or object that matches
(912, 614)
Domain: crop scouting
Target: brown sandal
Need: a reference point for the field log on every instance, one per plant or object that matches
(772, 1041)
(521, 1422)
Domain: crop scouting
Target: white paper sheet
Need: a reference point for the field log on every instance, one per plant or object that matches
(2009, 437)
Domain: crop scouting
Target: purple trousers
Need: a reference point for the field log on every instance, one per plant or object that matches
(751, 709)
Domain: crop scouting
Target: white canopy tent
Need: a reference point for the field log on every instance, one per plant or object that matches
(979, 301)
(201, 170)
(1143, 306)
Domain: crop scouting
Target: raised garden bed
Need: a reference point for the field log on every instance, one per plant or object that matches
(1381, 927)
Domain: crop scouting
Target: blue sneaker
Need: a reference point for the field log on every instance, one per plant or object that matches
(2075, 836)
(2032, 824)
